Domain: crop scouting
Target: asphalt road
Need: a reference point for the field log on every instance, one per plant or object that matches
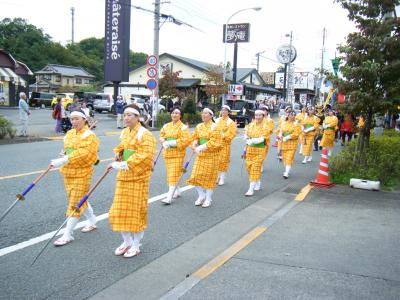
(87, 266)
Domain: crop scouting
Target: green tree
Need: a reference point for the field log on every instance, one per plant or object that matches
(167, 85)
(371, 67)
(215, 86)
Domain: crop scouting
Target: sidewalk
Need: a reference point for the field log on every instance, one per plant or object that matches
(338, 243)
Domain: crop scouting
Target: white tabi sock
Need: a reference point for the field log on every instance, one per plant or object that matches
(69, 229)
(89, 215)
(201, 192)
(137, 237)
(128, 240)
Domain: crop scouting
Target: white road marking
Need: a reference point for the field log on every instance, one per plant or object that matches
(46, 236)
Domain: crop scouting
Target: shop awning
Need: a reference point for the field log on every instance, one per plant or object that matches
(187, 83)
(6, 74)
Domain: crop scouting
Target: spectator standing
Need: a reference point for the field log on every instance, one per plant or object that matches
(120, 112)
(75, 105)
(23, 114)
(57, 115)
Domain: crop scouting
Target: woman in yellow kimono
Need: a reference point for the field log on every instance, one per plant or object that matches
(207, 142)
(299, 120)
(269, 124)
(134, 162)
(281, 120)
(257, 134)
(228, 131)
(309, 127)
(330, 125)
(77, 160)
(289, 133)
(174, 137)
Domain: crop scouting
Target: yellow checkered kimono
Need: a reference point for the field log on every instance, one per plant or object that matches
(281, 120)
(205, 171)
(174, 156)
(269, 124)
(329, 133)
(255, 154)
(228, 130)
(128, 212)
(289, 147)
(310, 121)
(81, 148)
(299, 120)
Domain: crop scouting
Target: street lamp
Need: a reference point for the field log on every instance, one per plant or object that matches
(226, 35)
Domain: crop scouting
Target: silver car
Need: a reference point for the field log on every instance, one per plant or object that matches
(103, 102)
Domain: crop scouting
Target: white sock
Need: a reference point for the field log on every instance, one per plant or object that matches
(69, 229)
(209, 194)
(128, 240)
(137, 237)
(89, 215)
(287, 169)
(200, 191)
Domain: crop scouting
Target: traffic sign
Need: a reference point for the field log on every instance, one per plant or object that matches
(151, 84)
(152, 60)
(152, 72)
(236, 89)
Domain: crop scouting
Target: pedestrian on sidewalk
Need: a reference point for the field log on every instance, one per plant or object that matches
(57, 115)
(24, 113)
(120, 111)
(206, 142)
(174, 138)
(289, 133)
(257, 133)
(228, 130)
(329, 126)
(76, 161)
(309, 127)
(134, 162)
(346, 129)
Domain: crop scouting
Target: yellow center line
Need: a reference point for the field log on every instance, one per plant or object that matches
(41, 171)
(304, 192)
(218, 261)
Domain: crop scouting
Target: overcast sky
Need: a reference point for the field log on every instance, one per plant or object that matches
(305, 18)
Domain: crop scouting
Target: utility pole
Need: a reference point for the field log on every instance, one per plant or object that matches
(289, 75)
(72, 16)
(258, 60)
(155, 53)
(322, 65)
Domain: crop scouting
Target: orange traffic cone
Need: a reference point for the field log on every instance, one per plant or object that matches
(322, 180)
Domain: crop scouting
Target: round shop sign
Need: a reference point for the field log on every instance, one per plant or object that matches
(152, 72)
(152, 60)
(286, 54)
(151, 84)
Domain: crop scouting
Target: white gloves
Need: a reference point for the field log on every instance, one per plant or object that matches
(58, 162)
(200, 148)
(255, 141)
(169, 144)
(119, 165)
(280, 135)
(286, 138)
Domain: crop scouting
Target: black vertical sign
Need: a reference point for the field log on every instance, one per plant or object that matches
(116, 42)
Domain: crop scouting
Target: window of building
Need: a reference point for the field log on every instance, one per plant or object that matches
(78, 80)
(58, 78)
(86, 81)
(47, 76)
(67, 81)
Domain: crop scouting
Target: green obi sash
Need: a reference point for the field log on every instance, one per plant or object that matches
(68, 151)
(127, 153)
(260, 145)
(171, 139)
(286, 133)
(329, 128)
(203, 141)
(306, 126)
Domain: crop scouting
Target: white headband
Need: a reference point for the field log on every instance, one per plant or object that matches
(208, 110)
(78, 114)
(259, 111)
(226, 107)
(132, 110)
